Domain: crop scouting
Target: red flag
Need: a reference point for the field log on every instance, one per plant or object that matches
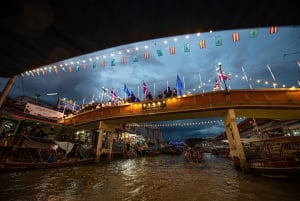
(235, 36)
(273, 29)
(172, 50)
(222, 76)
(202, 44)
(146, 55)
(145, 88)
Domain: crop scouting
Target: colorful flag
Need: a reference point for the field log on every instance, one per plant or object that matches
(253, 33)
(113, 63)
(113, 94)
(85, 66)
(172, 50)
(123, 59)
(135, 58)
(77, 68)
(146, 55)
(222, 76)
(202, 44)
(159, 52)
(179, 85)
(218, 41)
(63, 69)
(103, 63)
(126, 90)
(145, 88)
(94, 65)
(235, 36)
(273, 29)
(187, 47)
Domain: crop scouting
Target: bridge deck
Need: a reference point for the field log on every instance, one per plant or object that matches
(259, 103)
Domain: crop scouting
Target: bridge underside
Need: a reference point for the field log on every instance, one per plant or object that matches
(282, 114)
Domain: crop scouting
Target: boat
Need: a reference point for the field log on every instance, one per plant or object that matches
(171, 150)
(19, 152)
(193, 155)
(154, 150)
(275, 157)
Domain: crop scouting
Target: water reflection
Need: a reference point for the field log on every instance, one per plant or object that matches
(156, 178)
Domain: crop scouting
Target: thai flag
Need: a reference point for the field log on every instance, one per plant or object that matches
(222, 76)
(113, 95)
(145, 88)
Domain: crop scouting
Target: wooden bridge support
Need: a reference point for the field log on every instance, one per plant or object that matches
(100, 150)
(236, 148)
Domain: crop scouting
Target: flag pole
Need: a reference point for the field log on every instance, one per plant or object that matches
(246, 77)
(167, 86)
(154, 88)
(274, 85)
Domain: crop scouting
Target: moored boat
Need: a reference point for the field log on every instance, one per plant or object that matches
(27, 152)
(276, 157)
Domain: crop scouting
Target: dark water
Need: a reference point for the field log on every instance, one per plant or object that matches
(159, 178)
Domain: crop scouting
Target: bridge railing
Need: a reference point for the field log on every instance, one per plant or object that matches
(266, 98)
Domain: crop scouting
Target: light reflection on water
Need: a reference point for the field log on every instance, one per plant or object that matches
(156, 178)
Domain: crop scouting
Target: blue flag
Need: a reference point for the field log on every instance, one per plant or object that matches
(126, 90)
(179, 85)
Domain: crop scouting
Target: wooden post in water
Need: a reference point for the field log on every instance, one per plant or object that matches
(6, 90)
(110, 144)
(234, 140)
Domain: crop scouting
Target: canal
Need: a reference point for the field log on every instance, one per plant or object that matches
(158, 178)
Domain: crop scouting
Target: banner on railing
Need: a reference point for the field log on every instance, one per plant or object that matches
(41, 111)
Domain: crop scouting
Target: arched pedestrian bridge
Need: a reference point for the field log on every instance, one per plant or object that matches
(258, 103)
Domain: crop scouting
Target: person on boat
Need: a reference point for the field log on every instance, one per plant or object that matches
(52, 158)
(188, 154)
(197, 155)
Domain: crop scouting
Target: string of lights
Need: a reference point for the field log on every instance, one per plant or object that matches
(181, 124)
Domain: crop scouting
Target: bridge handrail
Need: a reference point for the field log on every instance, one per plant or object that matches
(212, 101)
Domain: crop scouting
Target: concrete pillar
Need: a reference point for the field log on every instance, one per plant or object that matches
(99, 143)
(102, 128)
(234, 140)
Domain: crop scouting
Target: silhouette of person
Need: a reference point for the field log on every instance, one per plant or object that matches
(168, 92)
(174, 92)
(160, 95)
(149, 96)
